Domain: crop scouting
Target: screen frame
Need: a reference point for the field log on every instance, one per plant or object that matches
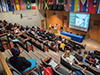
(78, 26)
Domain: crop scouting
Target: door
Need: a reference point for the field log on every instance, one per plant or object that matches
(42, 24)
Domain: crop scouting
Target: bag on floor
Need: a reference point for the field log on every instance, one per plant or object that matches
(48, 71)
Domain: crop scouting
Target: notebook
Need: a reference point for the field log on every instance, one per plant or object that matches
(15, 40)
(53, 64)
(71, 57)
(96, 60)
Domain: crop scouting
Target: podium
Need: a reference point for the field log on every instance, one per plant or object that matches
(53, 30)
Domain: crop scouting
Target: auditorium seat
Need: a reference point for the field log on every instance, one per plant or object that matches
(73, 67)
(77, 34)
(59, 71)
(70, 32)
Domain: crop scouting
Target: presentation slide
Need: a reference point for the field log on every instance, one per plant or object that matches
(79, 21)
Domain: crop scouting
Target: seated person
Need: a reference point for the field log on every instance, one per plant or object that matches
(67, 57)
(62, 45)
(71, 62)
(17, 30)
(20, 63)
(21, 28)
(84, 56)
(27, 28)
(55, 45)
(1, 24)
(4, 22)
(60, 38)
(92, 59)
(78, 57)
(35, 34)
(9, 26)
(46, 41)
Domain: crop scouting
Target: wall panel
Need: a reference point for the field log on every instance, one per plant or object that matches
(59, 20)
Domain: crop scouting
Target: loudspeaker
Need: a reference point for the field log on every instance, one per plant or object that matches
(55, 7)
(50, 7)
(45, 15)
(60, 7)
(21, 16)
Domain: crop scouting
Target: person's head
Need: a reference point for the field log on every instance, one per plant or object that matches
(15, 52)
(93, 56)
(55, 41)
(79, 52)
(67, 54)
(85, 53)
(0, 21)
(60, 37)
(5, 24)
(26, 26)
(4, 21)
(17, 26)
(32, 26)
(45, 38)
(62, 41)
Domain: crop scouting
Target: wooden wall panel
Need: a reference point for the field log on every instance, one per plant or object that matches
(59, 20)
(52, 20)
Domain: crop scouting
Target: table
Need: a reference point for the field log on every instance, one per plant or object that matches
(63, 36)
(74, 37)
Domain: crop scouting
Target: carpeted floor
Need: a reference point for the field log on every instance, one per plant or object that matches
(91, 44)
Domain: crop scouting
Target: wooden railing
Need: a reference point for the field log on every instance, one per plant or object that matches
(4, 64)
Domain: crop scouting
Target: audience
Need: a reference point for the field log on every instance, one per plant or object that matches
(21, 63)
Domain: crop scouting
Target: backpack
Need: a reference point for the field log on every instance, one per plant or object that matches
(48, 71)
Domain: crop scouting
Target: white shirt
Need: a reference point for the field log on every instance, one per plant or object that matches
(55, 27)
(68, 60)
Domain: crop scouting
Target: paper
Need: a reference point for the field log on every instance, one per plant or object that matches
(15, 40)
(53, 64)
(71, 57)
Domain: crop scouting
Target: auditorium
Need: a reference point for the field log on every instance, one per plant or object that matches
(49, 37)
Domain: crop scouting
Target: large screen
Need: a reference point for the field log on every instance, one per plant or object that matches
(79, 21)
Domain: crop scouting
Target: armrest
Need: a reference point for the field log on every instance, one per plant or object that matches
(45, 41)
(27, 71)
(57, 43)
(3, 34)
(19, 34)
(28, 39)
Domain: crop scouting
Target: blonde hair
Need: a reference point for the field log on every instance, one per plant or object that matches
(67, 54)
(85, 53)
